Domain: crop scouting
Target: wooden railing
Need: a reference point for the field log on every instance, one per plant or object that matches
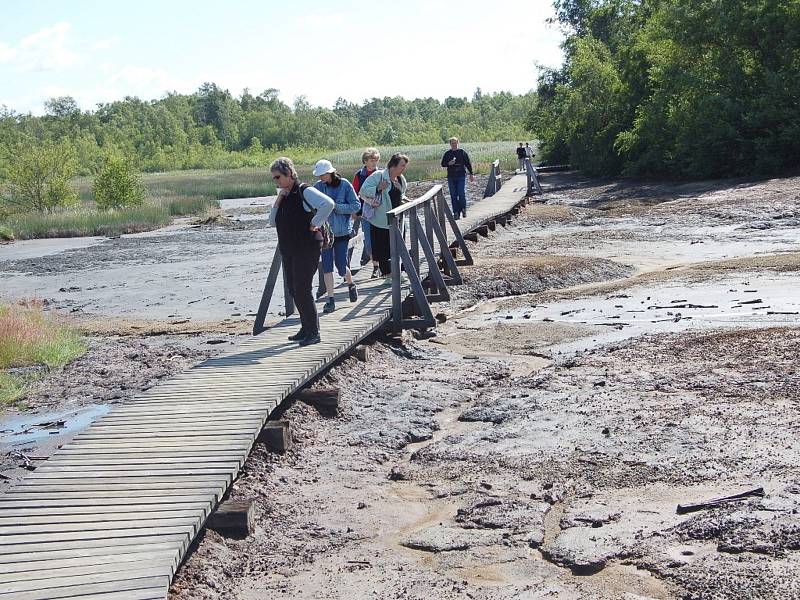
(429, 218)
(534, 187)
(495, 181)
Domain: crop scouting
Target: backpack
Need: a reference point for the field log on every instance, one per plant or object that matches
(324, 235)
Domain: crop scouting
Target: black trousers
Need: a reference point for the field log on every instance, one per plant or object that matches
(300, 266)
(381, 248)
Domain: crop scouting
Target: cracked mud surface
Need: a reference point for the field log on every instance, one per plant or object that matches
(540, 444)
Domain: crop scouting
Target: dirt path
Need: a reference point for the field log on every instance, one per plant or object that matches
(595, 370)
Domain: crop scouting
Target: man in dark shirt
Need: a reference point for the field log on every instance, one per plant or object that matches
(458, 165)
(521, 156)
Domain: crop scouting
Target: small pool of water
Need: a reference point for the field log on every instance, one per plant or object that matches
(31, 429)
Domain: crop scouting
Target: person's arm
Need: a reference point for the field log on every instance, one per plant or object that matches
(273, 210)
(369, 189)
(468, 165)
(319, 201)
(446, 158)
(350, 204)
(357, 181)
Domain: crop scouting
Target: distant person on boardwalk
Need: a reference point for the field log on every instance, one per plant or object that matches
(382, 191)
(346, 204)
(369, 158)
(298, 213)
(521, 156)
(457, 162)
(529, 151)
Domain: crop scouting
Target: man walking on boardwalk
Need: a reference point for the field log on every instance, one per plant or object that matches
(457, 162)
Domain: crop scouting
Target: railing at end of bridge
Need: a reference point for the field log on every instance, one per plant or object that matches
(495, 181)
(534, 187)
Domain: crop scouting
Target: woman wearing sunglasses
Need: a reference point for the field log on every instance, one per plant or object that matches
(297, 214)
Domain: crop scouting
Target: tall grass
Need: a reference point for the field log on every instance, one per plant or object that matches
(29, 336)
(196, 192)
(87, 221)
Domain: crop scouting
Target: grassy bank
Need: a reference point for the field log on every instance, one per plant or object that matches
(31, 337)
(86, 221)
(179, 193)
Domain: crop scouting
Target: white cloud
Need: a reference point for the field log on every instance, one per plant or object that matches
(7, 53)
(47, 49)
(105, 44)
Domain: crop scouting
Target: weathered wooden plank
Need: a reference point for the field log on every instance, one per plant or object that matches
(180, 540)
(9, 540)
(9, 532)
(138, 516)
(44, 569)
(32, 553)
(44, 514)
(67, 499)
(76, 586)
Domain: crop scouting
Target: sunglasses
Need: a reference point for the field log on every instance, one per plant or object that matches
(276, 177)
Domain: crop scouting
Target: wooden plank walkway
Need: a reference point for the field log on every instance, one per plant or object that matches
(111, 515)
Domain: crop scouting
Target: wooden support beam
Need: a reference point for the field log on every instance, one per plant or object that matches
(483, 230)
(362, 352)
(233, 519)
(276, 435)
(492, 225)
(327, 398)
(471, 236)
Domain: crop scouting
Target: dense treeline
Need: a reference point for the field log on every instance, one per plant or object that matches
(686, 88)
(213, 129)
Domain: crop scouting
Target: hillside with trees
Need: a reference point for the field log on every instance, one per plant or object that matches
(678, 88)
(211, 128)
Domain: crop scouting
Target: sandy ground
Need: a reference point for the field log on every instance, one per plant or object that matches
(619, 350)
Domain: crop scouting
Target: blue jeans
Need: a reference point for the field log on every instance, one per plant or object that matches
(338, 254)
(458, 194)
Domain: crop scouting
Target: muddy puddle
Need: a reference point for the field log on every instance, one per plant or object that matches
(27, 429)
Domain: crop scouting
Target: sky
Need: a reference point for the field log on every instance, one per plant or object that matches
(103, 51)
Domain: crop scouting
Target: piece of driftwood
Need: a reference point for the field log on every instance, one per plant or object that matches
(716, 502)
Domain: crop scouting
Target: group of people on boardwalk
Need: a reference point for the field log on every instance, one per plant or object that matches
(317, 223)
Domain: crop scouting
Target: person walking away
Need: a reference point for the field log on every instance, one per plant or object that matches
(521, 156)
(529, 151)
(458, 164)
(382, 191)
(346, 204)
(297, 214)
(369, 159)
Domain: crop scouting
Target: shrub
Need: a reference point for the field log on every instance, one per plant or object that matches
(117, 185)
(39, 174)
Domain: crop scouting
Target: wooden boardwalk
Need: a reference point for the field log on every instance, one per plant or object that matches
(111, 515)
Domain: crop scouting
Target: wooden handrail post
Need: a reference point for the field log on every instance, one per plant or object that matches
(395, 241)
(412, 225)
(269, 288)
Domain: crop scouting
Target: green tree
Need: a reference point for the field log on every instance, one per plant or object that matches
(117, 185)
(38, 176)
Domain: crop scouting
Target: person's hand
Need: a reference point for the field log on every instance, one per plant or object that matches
(452, 161)
(383, 185)
(471, 178)
(313, 228)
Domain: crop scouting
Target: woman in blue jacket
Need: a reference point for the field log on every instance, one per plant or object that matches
(346, 204)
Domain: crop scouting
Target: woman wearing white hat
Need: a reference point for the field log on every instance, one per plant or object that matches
(346, 204)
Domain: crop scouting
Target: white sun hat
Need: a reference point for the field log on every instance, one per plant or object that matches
(323, 166)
